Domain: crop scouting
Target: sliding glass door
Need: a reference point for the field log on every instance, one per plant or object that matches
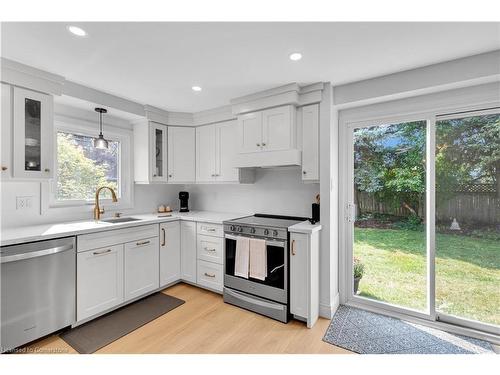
(423, 217)
(468, 218)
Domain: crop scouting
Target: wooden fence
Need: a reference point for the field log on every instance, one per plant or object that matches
(465, 206)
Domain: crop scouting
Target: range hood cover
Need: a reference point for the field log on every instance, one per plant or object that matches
(269, 159)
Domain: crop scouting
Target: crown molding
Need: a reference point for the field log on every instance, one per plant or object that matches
(22, 75)
(213, 115)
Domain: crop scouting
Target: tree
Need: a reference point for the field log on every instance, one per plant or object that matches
(389, 163)
(78, 175)
(467, 152)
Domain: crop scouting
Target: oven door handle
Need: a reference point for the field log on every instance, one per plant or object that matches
(268, 242)
(253, 300)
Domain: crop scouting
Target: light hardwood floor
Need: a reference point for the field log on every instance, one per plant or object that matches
(205, 324)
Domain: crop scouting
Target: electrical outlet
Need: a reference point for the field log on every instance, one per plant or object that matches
(24, 203)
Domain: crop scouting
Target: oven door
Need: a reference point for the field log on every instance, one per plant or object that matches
(275, 286)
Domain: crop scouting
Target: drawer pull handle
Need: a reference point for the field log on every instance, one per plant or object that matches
(210, 274)
(210, 229)
(164, 237)
(210, 249)
(142, 243)
(101, 252)
(293, 247)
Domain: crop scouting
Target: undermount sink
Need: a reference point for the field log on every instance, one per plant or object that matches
(116, 220)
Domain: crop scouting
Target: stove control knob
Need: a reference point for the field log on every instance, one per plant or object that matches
(266, 231)
(232, 228)
(240, 229)
(275, 232)
(252, 230)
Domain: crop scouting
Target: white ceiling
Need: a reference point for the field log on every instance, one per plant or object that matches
(157, 63)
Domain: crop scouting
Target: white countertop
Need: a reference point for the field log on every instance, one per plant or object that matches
(305, 227)
(16, 235)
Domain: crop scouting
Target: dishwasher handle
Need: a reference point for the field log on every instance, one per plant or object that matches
(35, 254)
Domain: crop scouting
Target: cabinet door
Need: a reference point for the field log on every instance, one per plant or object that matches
(181, 154)
(170, 252)
(141, 267)
(299, 283)
(6, 127)
(99, 280)
(33, 134)
(226, 144)
(310, 143)
(250, 132)
(188, 251)
(158, 150)
(205, 153)
(278, 130)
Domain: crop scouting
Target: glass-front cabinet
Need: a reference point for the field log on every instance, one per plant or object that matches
(33, 134)
(159, 152)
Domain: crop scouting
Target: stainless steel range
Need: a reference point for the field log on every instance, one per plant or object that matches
(269, 297)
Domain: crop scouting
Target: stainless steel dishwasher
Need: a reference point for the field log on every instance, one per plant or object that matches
(37, 290)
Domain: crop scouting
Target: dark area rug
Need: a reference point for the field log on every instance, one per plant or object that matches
(365, 332)
(102, 331)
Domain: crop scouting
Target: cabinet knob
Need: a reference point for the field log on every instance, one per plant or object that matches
(4, 168)
(154, 175)
(47, 170)
(169, 175)
(263, 144)
(304, 172)
(258, 144)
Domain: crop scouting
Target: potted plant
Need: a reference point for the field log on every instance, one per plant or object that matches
(358, 272)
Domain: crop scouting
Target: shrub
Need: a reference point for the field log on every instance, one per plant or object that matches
(412, 222)
(358, 268)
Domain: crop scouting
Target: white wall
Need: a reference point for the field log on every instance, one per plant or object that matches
(275, 191)
(146, 200)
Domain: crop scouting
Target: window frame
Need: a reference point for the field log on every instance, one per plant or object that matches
(125, 173)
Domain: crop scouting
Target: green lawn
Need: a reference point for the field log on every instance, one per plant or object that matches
(467, 271)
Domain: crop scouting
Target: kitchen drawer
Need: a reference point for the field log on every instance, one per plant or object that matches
(210, 229)
(209, 275)
(210, 248)
(113, 237)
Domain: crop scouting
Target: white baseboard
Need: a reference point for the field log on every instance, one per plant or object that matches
(327, 310)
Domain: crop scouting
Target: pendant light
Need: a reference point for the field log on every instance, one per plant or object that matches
(100, 142)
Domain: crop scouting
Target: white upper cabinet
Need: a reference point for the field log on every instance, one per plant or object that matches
(150, 152)
(278, 130)
(216, 147)
(33, 134)
(181, 154)
(225, 136)
(250, 132)
(6, 126)
(269, 130)
(310, 142)
(205, 153)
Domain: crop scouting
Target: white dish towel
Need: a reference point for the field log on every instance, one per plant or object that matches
(242, 257)
(258, 259)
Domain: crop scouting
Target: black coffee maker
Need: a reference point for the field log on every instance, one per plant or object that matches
(183, 197)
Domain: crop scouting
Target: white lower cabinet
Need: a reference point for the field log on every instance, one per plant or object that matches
(304, 276)
(141, 264)
(99, 280)
(210, 249)
(188, 251)
(209, 275)
(170, 252)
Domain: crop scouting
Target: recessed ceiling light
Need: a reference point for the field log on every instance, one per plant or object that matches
(296, 56)
(77, 31)
(196, 88)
